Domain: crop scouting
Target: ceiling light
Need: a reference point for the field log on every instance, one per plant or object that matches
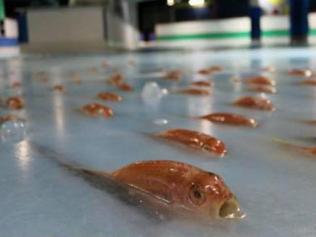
(170, 2)
(197, 3)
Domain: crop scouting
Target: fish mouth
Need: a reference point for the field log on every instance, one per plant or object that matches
(230, 210)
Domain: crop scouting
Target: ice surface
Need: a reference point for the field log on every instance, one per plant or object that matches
(12, 131)
(275, 186)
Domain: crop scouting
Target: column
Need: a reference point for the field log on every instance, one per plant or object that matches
(299, 21)
(255, 15)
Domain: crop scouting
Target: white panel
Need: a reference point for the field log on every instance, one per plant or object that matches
(11, 28)
(312, 20)
(120, 33)
(205, 43)
(275, 23)
(241, 24)
(65, 25)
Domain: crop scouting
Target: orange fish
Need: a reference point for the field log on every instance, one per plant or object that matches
(194, 91)
(59, 88)
(115, 79)
(310, 122)
(15, 103)
(123, 86)
(255, 103)
(262, 89)
(196, 140)
(308, 82)
(8, 117)
(302, 148)
(109, 96)
(183, 186)
(173, 75)
(260, 80)
(96, 110)
(165, 187)
(209, 70)
(230, 119)
(202, 83)
(300, 72)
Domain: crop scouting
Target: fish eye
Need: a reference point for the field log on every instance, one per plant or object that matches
(197, 196)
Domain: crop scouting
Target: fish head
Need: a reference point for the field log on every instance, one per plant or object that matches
(209, 195)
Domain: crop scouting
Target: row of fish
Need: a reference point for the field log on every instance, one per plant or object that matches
(172, 186)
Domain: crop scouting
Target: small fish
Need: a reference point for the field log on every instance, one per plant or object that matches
(109, 96)
(308, 82)
(115, 79)
(260, 80)
(255, 103)
(163, 187)
(96, 110)
(173, 75)
(193, 91)
(196, 140)
(262, 89)
(305, 149)
(123, 86)
(8, 117)
(210, 70)
(58, 88)
(310, 122)
(15, 103)
(202, 83)
(300, 72)
(230, 119)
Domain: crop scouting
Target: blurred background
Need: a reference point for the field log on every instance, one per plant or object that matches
(94, 25)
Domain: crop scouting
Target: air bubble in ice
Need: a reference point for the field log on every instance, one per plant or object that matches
(161, 121)
(152, 93)
(12, 131)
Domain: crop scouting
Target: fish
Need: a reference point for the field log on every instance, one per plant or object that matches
(123, 86)
(260, 80)
(15, 103)
(193, 91)
(164, 188)
(210, 70)
(109, 96)
(202, 83)
(301, 72)
(308, 82)
(173, 75)
(97, 110)
(115, 79)
(9, 117)
(59, 88)
(306, 149)
(230, 119)
(195, 140)
(262, 89)
(255, 103)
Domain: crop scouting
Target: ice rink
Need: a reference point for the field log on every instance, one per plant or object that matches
(274, 184)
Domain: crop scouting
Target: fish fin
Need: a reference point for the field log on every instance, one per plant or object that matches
(155, 206)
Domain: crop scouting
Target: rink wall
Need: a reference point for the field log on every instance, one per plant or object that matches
(234, 32)
(77, 29)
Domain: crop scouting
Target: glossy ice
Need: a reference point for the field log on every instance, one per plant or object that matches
(275, 186)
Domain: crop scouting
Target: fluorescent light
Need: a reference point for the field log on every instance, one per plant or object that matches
(197, 3)
(170, 2)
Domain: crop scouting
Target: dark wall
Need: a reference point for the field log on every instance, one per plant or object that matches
(157, 11)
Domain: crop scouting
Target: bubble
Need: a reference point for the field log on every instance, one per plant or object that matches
(161, 121)
(12, 131)
(152, 93)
